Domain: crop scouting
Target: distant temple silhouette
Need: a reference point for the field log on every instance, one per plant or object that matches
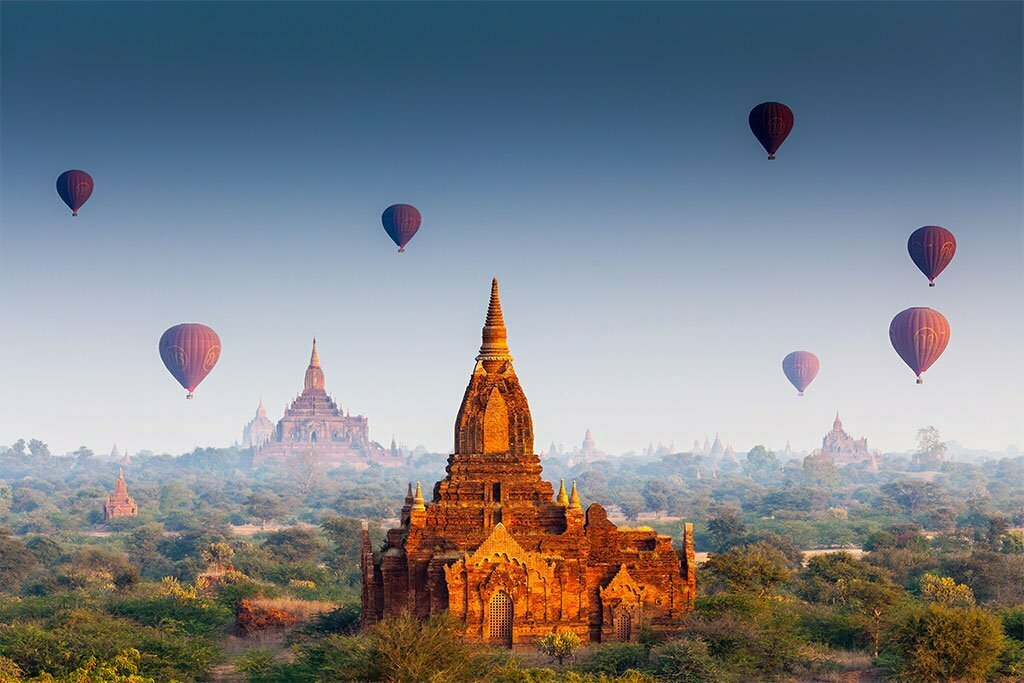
(506, 557)
(315, 429)
(844, 449)
(120, 504)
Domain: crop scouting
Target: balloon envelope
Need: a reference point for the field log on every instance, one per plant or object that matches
(190, 351)
(771, 122)
(401, 221)
(800, 368)
(919, 336)
(931, 248)
(74, 187)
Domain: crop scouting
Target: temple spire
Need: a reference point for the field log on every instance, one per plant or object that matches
(574, 499)
(417, 502)
(314, 374)
(495, 337)
(563, 497)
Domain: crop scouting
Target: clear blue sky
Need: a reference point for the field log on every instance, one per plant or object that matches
(655, 268)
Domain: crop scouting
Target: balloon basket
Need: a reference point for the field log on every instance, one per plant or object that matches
(190, 396)
(401, 250)
(74, 213)
(920, 381)
(771, 157)
(931, 284)
(799, 393)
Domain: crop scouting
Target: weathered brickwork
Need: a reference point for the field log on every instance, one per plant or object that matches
(497, 549)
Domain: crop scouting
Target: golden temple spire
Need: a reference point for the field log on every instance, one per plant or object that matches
(574, 499)
(314, 358)
(563, 497)
(417, 502)
(495, 336)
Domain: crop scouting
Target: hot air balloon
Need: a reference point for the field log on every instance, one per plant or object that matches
(800, 368)
(919, 336)
(931, 248)
(74, 187)
(190, 351)
(401, 221)
(770, 122)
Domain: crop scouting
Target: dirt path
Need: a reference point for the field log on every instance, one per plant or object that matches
(226, 673)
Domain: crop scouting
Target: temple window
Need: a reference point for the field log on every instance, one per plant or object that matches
(624, 627)
(312, 436)
(496, 492)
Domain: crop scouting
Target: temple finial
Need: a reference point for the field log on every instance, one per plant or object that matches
(314, 358)
(574, 499)
(495, 337)
(417, 501)
(563, 497)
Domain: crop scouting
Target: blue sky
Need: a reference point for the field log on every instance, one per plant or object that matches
(655, 268)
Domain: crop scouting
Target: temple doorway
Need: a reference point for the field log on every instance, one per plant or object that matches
(501, 615)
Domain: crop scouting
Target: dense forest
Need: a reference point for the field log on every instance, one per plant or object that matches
(230, 571)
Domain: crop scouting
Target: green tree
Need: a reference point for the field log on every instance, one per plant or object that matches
(218, 556)
(760, 459)
(756, 569)
(819, 469)
(38, 449)
(940, 643)
(726, 529)
(264, 507)
(931, 450)
(656, 495)
(16, 561)
(294, 545)
(559, 645)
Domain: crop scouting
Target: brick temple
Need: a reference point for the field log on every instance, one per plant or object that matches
(315, 429)
(844, 449)
(502, 553)
(120, 504)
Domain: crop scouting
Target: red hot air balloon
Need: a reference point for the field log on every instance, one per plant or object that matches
(401, 221)
(74, 187)
(800, 368)
(919, 336)
(931, 248)
(190, 351)
(770, 122)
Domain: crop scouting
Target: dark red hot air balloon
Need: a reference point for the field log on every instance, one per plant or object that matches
(401, 221)
(770, 122)
(931, 248)
(190, 351)
(800, 368)
(919, 336)
(74, 187)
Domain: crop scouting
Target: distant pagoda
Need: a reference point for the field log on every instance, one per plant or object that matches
(260, 429)
(314, 428)
(843, 449)
(120, 504)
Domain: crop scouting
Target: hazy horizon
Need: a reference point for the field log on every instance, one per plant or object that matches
(654, 267)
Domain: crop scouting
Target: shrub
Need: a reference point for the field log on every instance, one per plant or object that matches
(559, 645)
(616, 658)
(940, 643)
(686, 661)
(398, 649)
